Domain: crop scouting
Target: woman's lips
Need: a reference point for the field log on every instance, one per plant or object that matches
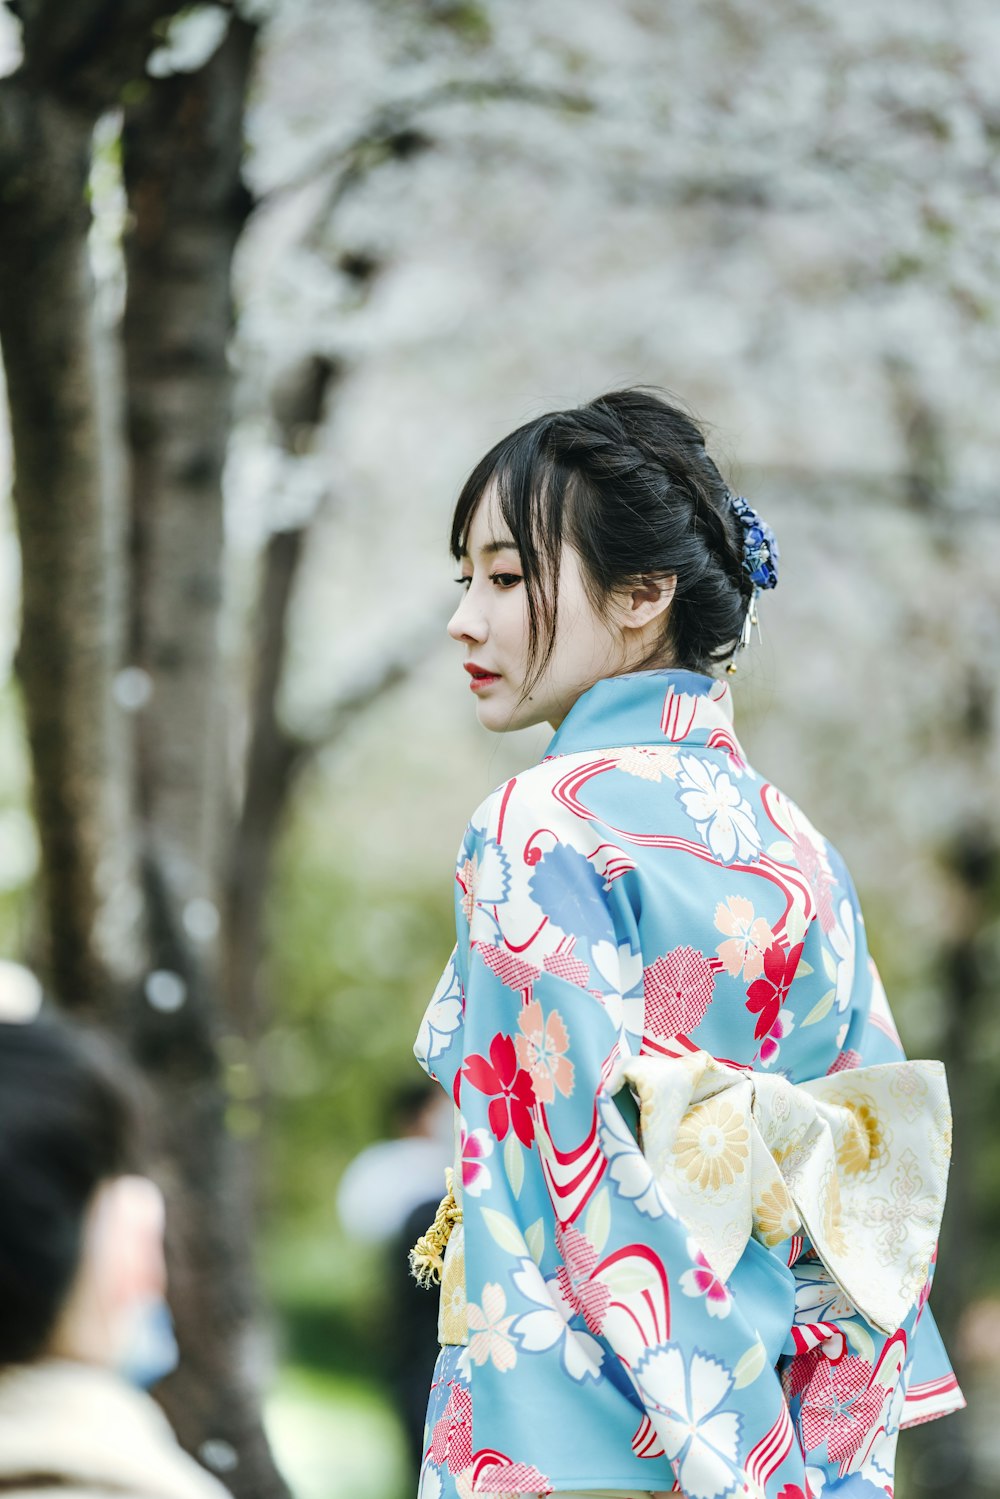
(479, 678)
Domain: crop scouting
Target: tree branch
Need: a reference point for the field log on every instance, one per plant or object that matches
(376, 679)
(392, 131)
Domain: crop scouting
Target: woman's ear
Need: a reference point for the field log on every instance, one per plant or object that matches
(647, 601)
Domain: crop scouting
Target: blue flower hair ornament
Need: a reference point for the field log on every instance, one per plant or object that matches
(760, 561)
(760, 545)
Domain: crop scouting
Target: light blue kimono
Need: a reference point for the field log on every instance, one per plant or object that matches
(642, 893)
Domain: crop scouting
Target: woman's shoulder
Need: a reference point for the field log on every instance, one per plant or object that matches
(639, 805)
(538, 792)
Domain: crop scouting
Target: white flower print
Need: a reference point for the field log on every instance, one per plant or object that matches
(627, 1166)
(442, 1017)
(843, 942)
(722, 816)
(621, 970)
(816, 1479)
(492, 875)
(489, 1329)
(699, 1438)
(430, 1483)
(818, 1298)
(547, 1325)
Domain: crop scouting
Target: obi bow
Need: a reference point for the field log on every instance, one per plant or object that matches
(857, 1161)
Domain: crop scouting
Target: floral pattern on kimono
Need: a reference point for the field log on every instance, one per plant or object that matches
(642, 893)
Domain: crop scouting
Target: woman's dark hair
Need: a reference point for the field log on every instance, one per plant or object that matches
(67, 1124)
(626, 480)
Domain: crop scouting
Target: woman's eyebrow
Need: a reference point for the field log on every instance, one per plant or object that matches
(490, 548)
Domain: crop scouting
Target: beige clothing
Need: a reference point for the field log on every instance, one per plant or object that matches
(75, 1431)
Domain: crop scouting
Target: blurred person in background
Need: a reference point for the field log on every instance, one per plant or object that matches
(84, 1326)
(697, 1188)
(385, 1197)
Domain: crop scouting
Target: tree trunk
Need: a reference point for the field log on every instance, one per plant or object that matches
(181, 148)
(69, 506)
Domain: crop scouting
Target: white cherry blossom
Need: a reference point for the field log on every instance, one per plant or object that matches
(699, 1438)
(721, 814)
(442, 1017)
(547, 1325)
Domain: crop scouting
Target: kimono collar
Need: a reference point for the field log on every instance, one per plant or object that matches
(649, 707)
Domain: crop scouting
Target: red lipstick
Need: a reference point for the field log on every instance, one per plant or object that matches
(480, 676)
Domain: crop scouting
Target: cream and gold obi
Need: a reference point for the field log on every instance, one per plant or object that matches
(856, 1161)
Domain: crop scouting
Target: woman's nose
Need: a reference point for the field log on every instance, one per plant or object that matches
(467, 622)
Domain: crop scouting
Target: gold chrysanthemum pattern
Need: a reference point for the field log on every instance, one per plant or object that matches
(774, 1215)
(862, 1144)
(713, 1144)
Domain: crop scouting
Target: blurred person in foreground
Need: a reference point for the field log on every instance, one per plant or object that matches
(83, 1319)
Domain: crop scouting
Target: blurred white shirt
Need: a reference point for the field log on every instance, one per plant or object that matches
(382, 1186)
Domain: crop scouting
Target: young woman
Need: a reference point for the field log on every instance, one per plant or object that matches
(82, 1317)
(697, 1187)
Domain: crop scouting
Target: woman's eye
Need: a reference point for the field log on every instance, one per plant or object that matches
(502, 580)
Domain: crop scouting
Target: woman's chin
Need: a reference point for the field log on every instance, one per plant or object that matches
(504, 716)
(495, 717)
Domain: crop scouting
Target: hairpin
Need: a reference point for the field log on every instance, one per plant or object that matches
(760, 562)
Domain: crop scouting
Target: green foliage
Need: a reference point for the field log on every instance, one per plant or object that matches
(336, 1437)
(471, 22)
(353, 963)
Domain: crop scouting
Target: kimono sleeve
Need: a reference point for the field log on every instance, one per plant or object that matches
(848, 1413)
(587, 1299)
(929, 1380)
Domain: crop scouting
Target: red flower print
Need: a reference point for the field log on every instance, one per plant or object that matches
(702, 1280)
(474, 1148)
(496, 1474)
(587, 1296)
(769, 1047)
(513, 972)
(466, 878)
(509, 1087)
(768, 994)
(678, 989)
(840, 1405)
(451, 1441)
(845, 1061)
(819, 877)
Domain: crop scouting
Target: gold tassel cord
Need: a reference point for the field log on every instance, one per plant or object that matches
(427, 1254)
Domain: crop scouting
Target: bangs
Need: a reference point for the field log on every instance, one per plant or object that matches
(531, 486)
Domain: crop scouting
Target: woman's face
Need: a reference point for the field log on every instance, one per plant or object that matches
(491, 623)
